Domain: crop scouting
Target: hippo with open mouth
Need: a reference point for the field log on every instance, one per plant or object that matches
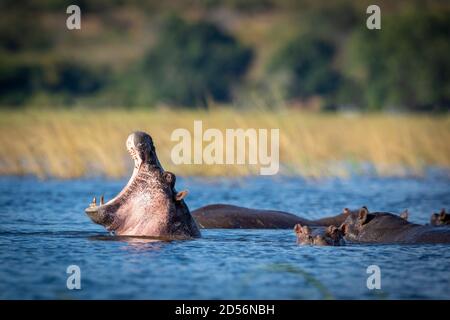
(150, 206)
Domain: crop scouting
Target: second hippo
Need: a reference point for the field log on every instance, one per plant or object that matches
(385, 227)
(440, 219)
(320, 236)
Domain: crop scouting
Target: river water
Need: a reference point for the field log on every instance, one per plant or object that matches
(43, 230)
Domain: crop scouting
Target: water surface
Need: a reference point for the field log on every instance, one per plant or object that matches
(43, 229)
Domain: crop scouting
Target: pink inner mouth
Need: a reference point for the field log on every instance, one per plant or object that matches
(131, 148)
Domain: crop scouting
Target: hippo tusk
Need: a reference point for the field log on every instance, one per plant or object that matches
(93, 203)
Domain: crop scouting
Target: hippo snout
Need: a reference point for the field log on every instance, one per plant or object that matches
(99, 214)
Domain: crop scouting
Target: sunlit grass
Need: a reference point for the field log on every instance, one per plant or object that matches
(76, 143)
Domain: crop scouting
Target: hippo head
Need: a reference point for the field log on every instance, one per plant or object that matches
(321, 236)
(364, 225)
(355, 223)
(441, 218)
(149, 204)
(304, 235)
(333, 236)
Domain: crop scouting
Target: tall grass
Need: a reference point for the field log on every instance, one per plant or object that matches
(76, 143)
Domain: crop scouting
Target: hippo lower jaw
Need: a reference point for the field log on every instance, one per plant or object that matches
(96, 215)
(99, 215)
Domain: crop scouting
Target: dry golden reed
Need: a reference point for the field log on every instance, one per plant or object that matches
(80, 143)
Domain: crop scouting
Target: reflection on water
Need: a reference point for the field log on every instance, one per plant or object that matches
(129, 239)
(43, 229)
(135, 243)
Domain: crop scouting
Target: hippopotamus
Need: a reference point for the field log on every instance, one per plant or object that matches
(386, 227)
(321, 236)
(225, 216)
(150, 206)
(440, 219)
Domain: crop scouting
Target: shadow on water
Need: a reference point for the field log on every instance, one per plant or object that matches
(141, 242)
(135, 243)
(94, 236)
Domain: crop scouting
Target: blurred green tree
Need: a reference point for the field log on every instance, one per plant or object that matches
(307, 61)
(20, 80)
(405, 64)
(193, 62)
(21, 28)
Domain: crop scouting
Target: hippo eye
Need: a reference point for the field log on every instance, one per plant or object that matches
(170, 178)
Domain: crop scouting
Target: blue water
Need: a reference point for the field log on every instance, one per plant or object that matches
(43, 230)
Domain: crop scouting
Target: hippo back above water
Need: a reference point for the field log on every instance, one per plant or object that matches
(224, 216)
(385, 227)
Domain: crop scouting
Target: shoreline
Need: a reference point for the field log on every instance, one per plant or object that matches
(82, 143)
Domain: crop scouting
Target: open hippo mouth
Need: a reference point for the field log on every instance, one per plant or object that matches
(148, 205)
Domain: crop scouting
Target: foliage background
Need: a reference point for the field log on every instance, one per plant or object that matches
(243, 53)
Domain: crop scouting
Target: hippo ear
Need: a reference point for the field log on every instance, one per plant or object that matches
(346, 211)
(181, 195)
(363, 215)
(298, 228)
(404, 214)
(442, 213)
(170, 178)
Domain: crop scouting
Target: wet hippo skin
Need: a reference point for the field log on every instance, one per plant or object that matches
(388, 228)
(225, 216)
